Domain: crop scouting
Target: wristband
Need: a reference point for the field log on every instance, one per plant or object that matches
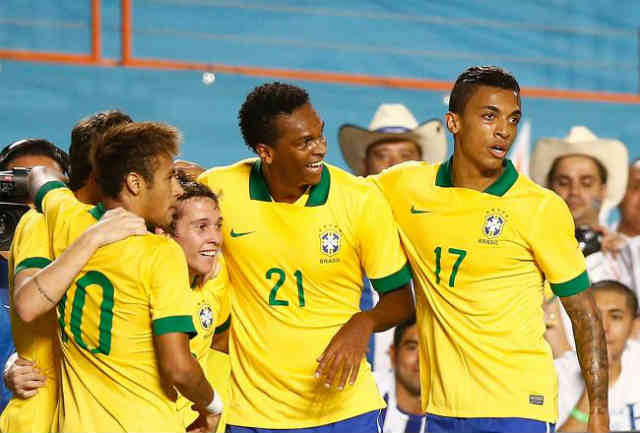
(216, 406)
(579, 415)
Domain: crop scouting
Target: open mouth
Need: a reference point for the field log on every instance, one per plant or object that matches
(208, 253)
(498, 150)
(314, 165)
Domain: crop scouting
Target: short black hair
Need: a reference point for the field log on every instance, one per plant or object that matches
(82, 135)
(632, 298)
(35, 147)
(602, 170)
(477, 76)
(190, 190)
(399, 331)
(261, 107)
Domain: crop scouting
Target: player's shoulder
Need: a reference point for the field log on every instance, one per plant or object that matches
(405, 176)
(538, 194)
(32, 219)
(227, 173)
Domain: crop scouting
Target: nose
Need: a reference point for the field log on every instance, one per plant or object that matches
(502, 129)
(320, 147)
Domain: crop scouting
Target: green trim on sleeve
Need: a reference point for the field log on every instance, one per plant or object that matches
(224, 326)
(170, 324)
(30, 263)
(44, 189)
(573, 286)
(392, 282)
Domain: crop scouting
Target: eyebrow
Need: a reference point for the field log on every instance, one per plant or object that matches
(497, 110)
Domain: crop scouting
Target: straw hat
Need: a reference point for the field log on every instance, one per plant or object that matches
(611, 153)
(392, 121)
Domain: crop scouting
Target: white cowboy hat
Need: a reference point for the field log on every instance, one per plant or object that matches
(392, 121)
(611, 153)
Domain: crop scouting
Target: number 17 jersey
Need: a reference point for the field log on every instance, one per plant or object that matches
(127, 292)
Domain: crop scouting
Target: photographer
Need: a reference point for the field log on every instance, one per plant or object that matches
(590, 174)
(23, 153)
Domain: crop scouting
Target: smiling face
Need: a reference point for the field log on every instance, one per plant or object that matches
(486, 128)
(297, 154)
(198, 231)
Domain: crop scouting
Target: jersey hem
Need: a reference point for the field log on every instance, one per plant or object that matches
(167, 325)
(392, 282)
(573, 286)
(44, 189)
(30, 263)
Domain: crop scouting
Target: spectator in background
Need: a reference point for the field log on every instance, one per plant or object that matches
(403, 413)
(590, 175)
(23, 153)
(629, 207)
(393, 136)
(618, 307)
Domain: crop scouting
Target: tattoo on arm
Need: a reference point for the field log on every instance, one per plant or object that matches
(591, 347)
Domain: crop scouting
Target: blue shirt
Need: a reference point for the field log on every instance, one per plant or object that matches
(6, 339)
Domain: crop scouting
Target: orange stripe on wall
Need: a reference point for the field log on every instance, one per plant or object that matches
(316, 76)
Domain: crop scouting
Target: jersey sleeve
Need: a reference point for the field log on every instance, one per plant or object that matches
(30, 248)
(381, 254)
(556, 249)
(53, 199)
(169, 296)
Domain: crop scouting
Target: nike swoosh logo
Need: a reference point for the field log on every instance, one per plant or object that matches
(237, 235)
(416, 211)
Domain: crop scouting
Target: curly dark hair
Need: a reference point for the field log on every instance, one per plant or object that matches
(82, 135)
(261, 107)
(474, 77)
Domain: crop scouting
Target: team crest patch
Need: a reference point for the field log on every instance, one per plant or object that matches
(494, 222)
(206, 317)
(330, 240)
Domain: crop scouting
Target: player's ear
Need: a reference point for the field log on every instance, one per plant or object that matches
(134, 183)
(392, 356)
(265, 152)
(453, 122)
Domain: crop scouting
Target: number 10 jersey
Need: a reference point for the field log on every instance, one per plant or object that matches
(127, 292)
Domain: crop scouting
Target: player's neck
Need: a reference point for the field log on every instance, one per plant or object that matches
(130, 205)
(279, 189)
(466, 174)
(408, 402)
(87, 194)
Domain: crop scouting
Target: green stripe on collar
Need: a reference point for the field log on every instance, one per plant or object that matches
(98, 211)
(258, 190)
(44, 189)
(497, 188)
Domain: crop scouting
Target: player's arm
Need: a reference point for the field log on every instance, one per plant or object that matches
(38, 177)
(559, 257)
(591, 347)
(37, 291)
(385, 263)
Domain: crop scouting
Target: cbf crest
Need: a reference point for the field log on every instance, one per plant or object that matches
(206, 316)
(493, 224)
(330, 240)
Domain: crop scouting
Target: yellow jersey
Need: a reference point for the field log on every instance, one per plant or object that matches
(479, 262)
(36, 341)
(127, 292)
(296, 272)
(211, 314)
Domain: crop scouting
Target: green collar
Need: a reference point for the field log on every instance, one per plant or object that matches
(258, 190)
(97, 211)
(498, 188)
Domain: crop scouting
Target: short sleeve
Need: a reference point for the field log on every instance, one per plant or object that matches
(30, 246)
(556, 249)
(381, 254)
(53, 199)
(169, 291)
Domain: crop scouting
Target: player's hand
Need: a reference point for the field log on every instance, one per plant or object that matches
(191, 169)
(612, 242)
(341, 360)
(115, 225)
(598, 422)
(23, 378)
(205, 423)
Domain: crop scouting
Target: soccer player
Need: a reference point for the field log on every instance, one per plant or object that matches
(481, 240)
(33, 321)
(196, 226)
(301, 235)
(125, 322)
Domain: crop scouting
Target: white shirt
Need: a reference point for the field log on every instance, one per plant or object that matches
(625, 267)
(624, 395)
(395, 420)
